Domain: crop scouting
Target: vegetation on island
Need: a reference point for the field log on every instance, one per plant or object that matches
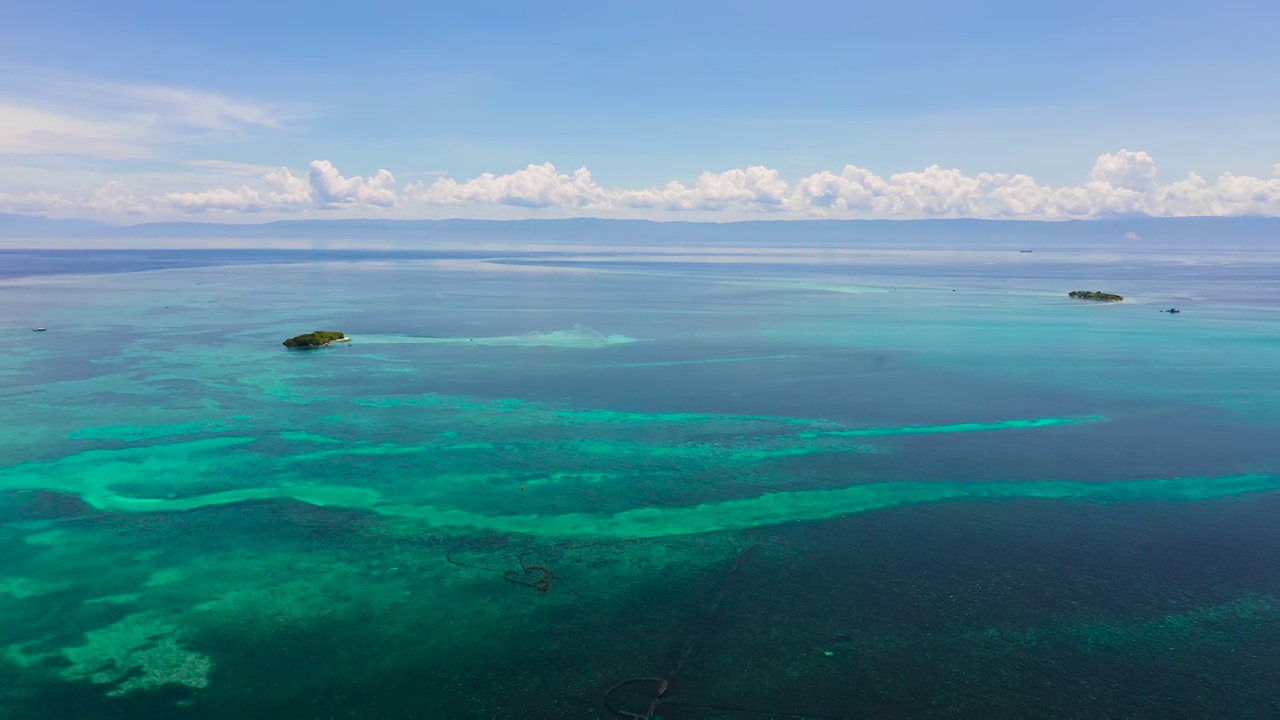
(319, 338)
(1094, 295)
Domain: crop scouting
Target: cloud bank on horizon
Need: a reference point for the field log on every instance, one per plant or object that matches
(1120, 183)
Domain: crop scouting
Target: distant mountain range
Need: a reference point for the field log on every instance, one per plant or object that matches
(12, 226)
(15, 229)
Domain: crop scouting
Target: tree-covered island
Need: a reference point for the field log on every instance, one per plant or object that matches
(1095, 295)
(316, 339)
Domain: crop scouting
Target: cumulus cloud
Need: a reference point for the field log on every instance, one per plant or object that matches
(332, 190)
(111, 199)
(542, 186)
(278, 190)
(1120, 183)
(933, 192)
(1228, 195)
(757, 187)
(115, 199)
(36, 203)
(284, 192)
(322, 188)
(537, 186)
(1126, 170)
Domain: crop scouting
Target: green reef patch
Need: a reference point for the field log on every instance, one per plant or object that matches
(772, 509)
(141, 479)
(503, 465)
(141, 651)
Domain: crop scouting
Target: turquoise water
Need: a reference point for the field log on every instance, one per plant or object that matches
(898, 483)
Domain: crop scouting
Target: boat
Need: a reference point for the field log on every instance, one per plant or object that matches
(37, 329)
(1024, 251)
(1172, 311)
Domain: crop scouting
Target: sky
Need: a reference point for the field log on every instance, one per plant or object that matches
(239, 111)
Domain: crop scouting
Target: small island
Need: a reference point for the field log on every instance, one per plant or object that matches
(1095, 295)
(316, 339)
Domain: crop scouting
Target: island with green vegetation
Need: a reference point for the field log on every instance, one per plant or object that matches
(1095, 295)
(316, 339)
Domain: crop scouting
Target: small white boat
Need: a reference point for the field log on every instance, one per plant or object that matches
(37, 329)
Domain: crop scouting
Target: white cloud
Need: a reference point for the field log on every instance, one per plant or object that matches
(278, 190)
(332, 190)
(933, 192)
(323, 187)
(188, 108)
(115, 199)
(47, 113)
(1121, 183)
(537, 186)
(284, 192)
(1228, 195)
(1126, 170)
(110, 199)
(36, 203)
(757, 187)
(29, 131)
(542, 186)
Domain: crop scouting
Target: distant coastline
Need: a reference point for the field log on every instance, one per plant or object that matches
(1013, 232)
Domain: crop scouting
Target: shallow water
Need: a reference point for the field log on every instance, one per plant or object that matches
(908, 482)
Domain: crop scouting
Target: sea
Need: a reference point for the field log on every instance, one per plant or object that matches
(588, 479)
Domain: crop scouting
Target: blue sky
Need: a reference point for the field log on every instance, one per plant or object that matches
(112, 108)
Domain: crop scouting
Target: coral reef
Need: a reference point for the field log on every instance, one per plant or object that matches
(142, 650)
